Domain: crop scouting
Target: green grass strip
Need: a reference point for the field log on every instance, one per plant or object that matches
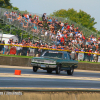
(16, 56)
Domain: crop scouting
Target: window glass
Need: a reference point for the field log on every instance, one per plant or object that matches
(52, 54)
(69, 57)
(65, 55)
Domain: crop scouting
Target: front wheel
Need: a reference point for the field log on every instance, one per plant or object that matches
(35, 69)
(71, 71)
(58, 70)
(49, 70)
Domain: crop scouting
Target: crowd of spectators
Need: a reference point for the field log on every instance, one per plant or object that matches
(63, 35)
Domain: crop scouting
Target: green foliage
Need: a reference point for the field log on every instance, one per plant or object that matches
(80, 17)
(5, 4)
(99, 32)
(15, 8)
(16, 56)
(24, 12)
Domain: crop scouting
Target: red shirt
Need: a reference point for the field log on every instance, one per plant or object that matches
(89, 53)
(83, 37)
(62, 39)
(68, 27)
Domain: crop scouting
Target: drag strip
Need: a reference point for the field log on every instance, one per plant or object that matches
(28, 78)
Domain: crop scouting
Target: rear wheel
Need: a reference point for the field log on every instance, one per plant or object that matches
(35, 69)
(58, 70)
(49, 70)
(71, 71)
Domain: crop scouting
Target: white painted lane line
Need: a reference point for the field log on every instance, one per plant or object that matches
(49, 76)
(6, 66)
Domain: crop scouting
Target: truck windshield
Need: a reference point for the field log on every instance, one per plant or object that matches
(52, 54)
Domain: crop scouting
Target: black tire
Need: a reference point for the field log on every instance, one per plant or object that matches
(49, 70)
(35, 69)
(58, 70)
(71, 71)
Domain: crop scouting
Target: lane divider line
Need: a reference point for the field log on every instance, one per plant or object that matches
(49, 76)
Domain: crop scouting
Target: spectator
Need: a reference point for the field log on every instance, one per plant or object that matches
(44, 18)
(73, 54)
(58, 32)
(95, 56)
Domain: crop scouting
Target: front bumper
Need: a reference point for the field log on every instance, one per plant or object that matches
(44, 65)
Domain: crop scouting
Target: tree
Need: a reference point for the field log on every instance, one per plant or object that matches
(99, 32)
(15, 8)
(5, 4)
(80, 17)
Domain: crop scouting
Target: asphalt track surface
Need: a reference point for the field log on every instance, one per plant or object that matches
(28, 78)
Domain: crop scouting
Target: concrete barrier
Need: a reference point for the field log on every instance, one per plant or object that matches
(16, 61)
(50, 94)
(89, 66)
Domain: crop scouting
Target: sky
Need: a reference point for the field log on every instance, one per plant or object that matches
(49, 6)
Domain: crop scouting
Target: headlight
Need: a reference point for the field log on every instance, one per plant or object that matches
(32, 60)
(54, 62)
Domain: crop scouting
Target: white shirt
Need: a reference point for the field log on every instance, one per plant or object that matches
(46, 33)
(93, 39)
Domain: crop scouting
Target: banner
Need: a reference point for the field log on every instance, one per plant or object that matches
(13, 50)
(98, 58)
(80, 56)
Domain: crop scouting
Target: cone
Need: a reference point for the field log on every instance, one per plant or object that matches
(17, 72)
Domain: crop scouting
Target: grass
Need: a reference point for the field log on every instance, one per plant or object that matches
(16, 56)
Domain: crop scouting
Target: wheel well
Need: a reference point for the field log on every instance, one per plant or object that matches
(73, 66)
(59, 65)
(34, 66)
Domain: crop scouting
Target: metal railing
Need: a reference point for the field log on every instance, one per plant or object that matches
(86, 32)
(39, 32)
